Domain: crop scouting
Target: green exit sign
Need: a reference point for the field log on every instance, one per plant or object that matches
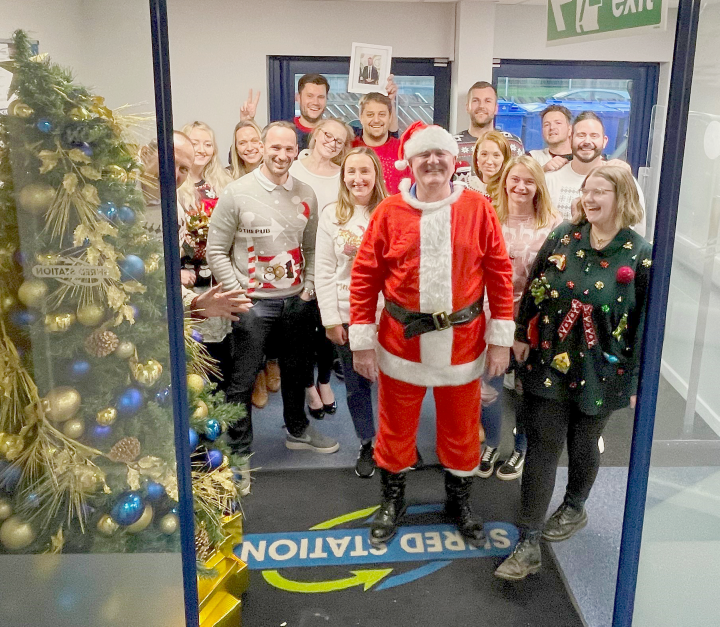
(576, 20)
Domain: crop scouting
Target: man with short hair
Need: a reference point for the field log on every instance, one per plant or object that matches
(262, 239)
(377, 115)
(556, 126)
(588, 140)
(482, 107)
(370, 74)
(313, 90)
(433, 251)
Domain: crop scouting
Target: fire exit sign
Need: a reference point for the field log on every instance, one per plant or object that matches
(577, 20)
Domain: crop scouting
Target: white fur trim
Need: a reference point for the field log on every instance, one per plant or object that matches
(362, 337)
(463, 473)
(429, 375)
(406, 184)
(435, 279)
(401, 164)
(500, 332)
(430, 138)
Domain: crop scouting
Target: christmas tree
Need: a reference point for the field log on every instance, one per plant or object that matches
(87, 461)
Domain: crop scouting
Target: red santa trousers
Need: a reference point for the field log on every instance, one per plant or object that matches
(457, 423)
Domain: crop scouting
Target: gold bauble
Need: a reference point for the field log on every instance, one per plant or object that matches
(74, 428)
(19, 109)
(36, 197)
(61, 403)
(16, 534)
(88, 477)
(79, 114)
(169, 524)
(147, 374)
(90, 315)
(116, 173)
(124, 350)
(201, 410)
(107, 526)
(7, 302)
(32, 293)
(5, 509)
(144, 521)
(195, 383)
(106, 416)
(59, 322)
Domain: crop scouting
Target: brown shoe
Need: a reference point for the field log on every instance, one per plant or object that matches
(272, 375)
(259, 394)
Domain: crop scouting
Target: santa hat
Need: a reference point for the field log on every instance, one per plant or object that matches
(419, 137)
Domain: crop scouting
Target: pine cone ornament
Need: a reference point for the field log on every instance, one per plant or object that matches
(125, 450)
(101, 343)
(202, 545)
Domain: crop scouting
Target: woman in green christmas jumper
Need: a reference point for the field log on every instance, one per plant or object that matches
(578, 334)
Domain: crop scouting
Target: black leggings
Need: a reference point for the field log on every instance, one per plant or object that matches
(322, 352)
(548, 425)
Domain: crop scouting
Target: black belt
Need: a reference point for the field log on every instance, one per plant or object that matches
(417, 323)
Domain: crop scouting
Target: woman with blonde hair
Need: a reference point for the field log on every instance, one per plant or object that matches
(320, 169)
(578, 338)
(197, 198)
(489, 157)
(340, 231)
(246, 153)
(527, 216)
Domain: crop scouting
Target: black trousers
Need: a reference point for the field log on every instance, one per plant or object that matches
(289, 322)
(322, 352)
(548, 425)
(220, 352)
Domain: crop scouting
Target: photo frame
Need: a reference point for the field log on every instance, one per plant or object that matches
(364, 78)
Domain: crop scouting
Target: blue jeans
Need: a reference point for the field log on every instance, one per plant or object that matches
(492, 418)
(359, 395)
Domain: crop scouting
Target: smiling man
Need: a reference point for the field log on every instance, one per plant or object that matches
(311, 96)
(432, 250)
(556, 127)
(262, 239)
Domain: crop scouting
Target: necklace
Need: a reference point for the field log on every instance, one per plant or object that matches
(600, 242)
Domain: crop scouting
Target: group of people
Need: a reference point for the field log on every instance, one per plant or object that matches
(418, 271)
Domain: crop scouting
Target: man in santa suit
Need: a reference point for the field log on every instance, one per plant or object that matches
(433, 251)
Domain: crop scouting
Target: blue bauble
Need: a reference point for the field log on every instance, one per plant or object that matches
(79, 369)
(194, 439)
(212, 429)
(128, 509)
(9, 476)
(100, 432)
(214, 458)
(85, 147)
(126, 215)
(129, 402)
(23, 317)
(155, 491)
(108, 210)
(196, 335)
(132, 268)
(44, 125)
(163, 396)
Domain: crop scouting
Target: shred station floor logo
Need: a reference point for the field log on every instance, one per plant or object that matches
(438, 545)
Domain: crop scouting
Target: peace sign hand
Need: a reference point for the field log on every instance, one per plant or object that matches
(249, 107)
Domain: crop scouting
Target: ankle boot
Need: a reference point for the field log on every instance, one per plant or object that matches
(385, 525)
(458, 508)
(525, 560)
(564, 523)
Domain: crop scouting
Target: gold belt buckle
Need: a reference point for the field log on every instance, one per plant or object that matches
(441, 321)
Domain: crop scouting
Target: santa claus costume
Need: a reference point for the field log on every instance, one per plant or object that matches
(433, 261)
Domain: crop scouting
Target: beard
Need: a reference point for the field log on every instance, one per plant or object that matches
(487, 120)
(596, 153)
(306, 114)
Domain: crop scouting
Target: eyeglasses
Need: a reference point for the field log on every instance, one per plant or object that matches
(332, 139)
(597, 193)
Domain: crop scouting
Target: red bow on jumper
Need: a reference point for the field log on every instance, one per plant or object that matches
(576, 309)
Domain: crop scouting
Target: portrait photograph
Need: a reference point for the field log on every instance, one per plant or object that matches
(369, 68)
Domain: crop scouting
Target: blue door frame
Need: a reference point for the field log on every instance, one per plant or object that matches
(678, 107)
(644, 97)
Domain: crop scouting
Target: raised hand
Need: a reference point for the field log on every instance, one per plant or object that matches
(248, 109)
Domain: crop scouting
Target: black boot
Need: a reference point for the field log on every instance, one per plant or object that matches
(385, 525)
(525, 560)
(564, 523)
(458, 508)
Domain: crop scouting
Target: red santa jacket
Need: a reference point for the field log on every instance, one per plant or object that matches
(432, 257)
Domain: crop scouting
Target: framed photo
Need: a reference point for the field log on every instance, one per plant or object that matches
(369, 68)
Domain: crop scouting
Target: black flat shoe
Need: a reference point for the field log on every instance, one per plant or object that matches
(318, 413)
(331, 408)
